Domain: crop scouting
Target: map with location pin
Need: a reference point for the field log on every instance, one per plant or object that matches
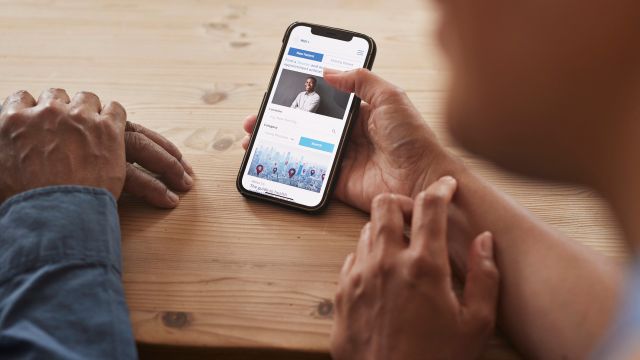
(289, 168)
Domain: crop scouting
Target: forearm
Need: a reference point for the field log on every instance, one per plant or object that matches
(556, 295)
(61, 294)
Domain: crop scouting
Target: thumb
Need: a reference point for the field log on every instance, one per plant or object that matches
(482, 284)
(365, 84)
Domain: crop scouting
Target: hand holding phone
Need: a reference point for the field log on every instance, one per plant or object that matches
(303, 122)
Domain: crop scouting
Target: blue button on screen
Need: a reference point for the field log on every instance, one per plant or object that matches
(309, 55)
(316, 144)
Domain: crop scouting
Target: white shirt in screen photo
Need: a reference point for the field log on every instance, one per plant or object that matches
(307, 101)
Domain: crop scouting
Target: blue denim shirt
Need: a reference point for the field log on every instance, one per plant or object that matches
(61, 294)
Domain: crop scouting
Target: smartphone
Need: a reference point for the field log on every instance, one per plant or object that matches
(303, 122)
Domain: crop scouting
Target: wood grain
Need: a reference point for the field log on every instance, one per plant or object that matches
(220, 271)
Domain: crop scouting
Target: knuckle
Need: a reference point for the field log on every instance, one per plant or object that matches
(120, 110)
(56, 91)
(394, 92)
(134, 141)
(130, 171)
(420, 266)
(77, 114)
(19, 94)
(359, 72)
(50, 108)
(131, 127)
(85, 95)
(384, 268)
(354, 280)
(175, 167)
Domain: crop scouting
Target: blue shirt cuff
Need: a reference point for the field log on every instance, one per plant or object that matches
(58, 224)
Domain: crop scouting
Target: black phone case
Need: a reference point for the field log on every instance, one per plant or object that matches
(353, 112)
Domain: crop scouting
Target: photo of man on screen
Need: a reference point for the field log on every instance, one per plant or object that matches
(308, 100)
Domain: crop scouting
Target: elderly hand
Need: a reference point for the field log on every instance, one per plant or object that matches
(58, 141)
(395, 298)
(56, 112)
(391, 148)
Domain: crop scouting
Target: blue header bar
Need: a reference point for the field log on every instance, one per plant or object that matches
(309, 55)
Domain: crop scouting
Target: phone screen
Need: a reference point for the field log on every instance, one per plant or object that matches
(304, 119)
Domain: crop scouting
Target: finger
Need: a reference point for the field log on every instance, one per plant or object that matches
(86, 102)
(480, 296)
(347, 266)
(429, 225)
(364, 244)
(141, 150)
(245, 142)
(149, 189)
(249, 123)
(53, 94)
(165, 143)
(387, 222)
(18, 101)
(365, 84)
(115, 112)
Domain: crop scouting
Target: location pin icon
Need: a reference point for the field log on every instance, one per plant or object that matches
(313, 172)
(322, 177)
(275, 169)
(292, 172)
(259, 169)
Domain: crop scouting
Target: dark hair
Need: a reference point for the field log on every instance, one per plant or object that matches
(315, 81)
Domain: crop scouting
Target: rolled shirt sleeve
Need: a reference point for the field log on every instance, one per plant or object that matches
(61, 294)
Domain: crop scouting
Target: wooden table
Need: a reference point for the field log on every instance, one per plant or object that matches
(220, 271)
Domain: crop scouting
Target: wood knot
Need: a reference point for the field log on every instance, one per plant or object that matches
(213, 97)
(239, 44)
(176, 320)
(216, 26)
(223, 143)
(325, 308)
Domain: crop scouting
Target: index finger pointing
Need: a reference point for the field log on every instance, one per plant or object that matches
(365, 84)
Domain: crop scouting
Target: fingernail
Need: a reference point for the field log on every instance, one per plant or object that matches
(449, 178)
(172, 197)
(188, 180)
(486, 244)
(187, 166)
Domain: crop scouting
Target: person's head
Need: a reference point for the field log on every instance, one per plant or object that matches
(310, 84)
(545, 87)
